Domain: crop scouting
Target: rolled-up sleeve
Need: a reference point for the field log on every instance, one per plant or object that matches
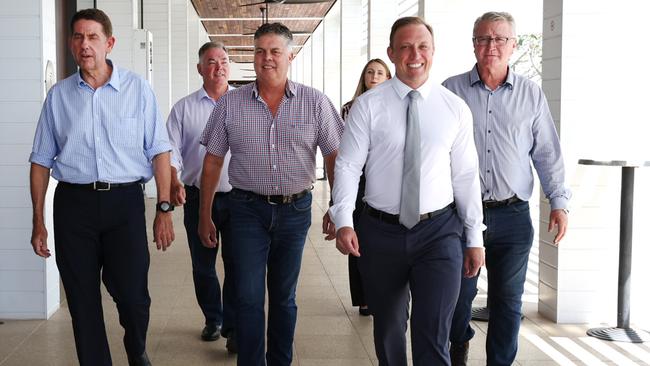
(45, 148)
(215, 136)
(156, 140)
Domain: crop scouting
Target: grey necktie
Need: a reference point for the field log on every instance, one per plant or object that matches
(409, 209)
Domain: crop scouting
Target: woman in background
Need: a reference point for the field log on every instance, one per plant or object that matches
(374, 73)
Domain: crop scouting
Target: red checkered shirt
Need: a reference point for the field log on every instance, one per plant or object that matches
(273, 155)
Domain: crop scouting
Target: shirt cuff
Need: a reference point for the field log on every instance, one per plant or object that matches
(158, 149)
(341, 216)
(559, 203)
(41, 160)
(474, 238)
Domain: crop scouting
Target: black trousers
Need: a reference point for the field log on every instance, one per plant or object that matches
(423, 262)
(103, 234)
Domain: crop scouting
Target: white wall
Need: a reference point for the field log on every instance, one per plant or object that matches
(157, 19)
(29, 285)
(598, 102)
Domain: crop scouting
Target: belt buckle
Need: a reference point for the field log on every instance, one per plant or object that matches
(101, 189)
(268, 200)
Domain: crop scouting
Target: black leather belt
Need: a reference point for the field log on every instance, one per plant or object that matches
(506, 202)
(99, 186)
(276, 199)
(394, 219)
(197, 189)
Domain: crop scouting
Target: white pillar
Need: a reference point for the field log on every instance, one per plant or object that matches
(351, 62)
(29, 285)
(157, 19)
(381, 16)
(598, 103)
(317, 57)
(332, 68)
(180, 50)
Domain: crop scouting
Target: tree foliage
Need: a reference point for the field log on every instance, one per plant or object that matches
(527, 59)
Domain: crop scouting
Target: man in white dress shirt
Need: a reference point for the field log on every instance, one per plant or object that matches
(425, 258)
(185, 124)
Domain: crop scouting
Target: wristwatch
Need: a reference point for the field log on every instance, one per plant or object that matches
(164, 206)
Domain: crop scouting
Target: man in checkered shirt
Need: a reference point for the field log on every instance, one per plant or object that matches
(272, 128)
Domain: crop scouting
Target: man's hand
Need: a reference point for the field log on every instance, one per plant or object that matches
(208, 232)
(163, 230)
(347, 242)
(474, 258)
(177, 193)
(558, 218)
(39, 240)
(328, 227)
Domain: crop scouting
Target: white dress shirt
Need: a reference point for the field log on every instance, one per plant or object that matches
(185, 124)
(374, 135)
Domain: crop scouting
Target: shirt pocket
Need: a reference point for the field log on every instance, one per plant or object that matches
(127, 132)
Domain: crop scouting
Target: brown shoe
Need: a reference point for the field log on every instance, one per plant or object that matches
(459, 353)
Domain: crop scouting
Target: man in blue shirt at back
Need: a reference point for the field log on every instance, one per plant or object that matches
(101, 135)
(512, 128)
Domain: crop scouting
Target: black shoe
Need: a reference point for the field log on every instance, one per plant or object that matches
(142, 360)
(459, 353)
(211, 332)
(364, 311)
(231, 343)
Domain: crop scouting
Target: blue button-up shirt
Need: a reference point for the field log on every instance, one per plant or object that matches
(110, 134)
(512, 127)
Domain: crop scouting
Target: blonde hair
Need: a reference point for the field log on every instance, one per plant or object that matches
(361, 86)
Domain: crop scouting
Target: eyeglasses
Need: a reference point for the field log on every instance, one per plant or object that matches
(484, 41)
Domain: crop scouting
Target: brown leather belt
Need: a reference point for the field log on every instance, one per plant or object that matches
(394, 219)
(507, 202)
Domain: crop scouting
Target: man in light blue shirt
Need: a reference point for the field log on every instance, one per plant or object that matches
(185, 124)
(512, 127)
(101, 135)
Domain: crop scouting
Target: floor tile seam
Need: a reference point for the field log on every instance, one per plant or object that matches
(15, 349)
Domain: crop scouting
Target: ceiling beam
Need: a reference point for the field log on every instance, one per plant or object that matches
(254, 18)
(296, 34)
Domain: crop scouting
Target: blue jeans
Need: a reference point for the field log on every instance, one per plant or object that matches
(508, 239)
(270, 242)
(206, 282)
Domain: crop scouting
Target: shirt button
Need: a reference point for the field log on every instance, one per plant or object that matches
(489, 151)
(276, 188)
(488, 170)
(272, 126)
(487, 190)
(489, 131)
(490, 112)
(274, 167)
(273, 146)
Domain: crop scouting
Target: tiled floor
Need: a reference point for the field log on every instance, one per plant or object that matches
(329, 331)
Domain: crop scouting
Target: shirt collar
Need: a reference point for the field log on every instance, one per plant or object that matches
(475, 78)
(403, 90)
(203, 94)
(289, 89)
(113, 81)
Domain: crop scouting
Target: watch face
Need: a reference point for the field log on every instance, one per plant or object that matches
(165, 206)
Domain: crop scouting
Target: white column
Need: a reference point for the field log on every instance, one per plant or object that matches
(29, 285)
(351, 61)
(306, 53)
(381, 16)
(598, 104)
(332, 68)
(196, 37)
(180, 50)
(157, 19)
(317, 57)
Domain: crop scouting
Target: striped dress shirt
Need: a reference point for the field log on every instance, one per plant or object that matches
(185, 124)
(110, 134)
(273, 155)
(512, 126)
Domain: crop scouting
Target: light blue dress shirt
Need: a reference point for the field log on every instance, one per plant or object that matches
(512, 127)
(185, 125)
(110, 134)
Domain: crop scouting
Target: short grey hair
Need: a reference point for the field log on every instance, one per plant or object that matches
(495, 16)
(210, 45)
(277, 29)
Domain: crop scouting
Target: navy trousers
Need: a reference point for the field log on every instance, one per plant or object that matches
(102, 234)
(424, 262)
(206, 283)
(507, 240)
